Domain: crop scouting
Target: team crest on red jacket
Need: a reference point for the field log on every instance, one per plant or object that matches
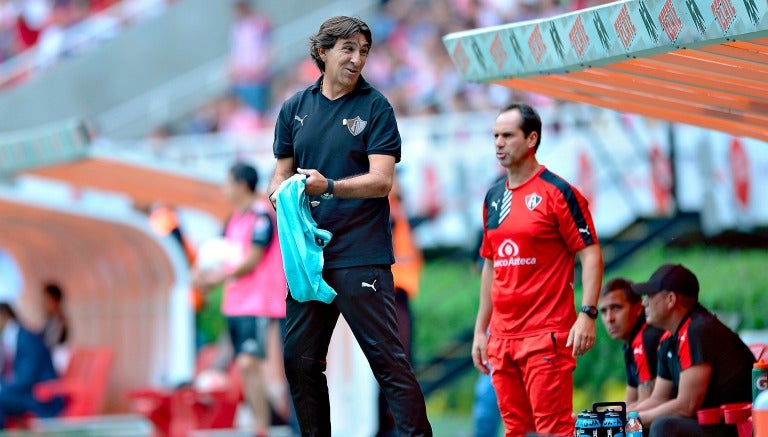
(356, 125)
(532, 201)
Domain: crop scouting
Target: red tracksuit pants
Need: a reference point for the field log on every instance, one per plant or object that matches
(533, 378)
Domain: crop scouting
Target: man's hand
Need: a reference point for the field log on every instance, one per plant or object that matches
(205, 280)
(317, 184)
(479, 354)
(200, 280)
(582, 335)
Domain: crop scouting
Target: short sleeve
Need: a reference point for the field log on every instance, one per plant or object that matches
(283, 144)
(486, 251)
(693, 348)
(384, 136)
(651, 337)
(575, 221)
(262, 229)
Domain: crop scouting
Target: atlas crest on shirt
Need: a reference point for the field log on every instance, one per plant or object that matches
(355, 125)
(532, 201)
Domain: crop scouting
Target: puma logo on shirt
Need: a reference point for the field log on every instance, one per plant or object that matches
(300, 119)
(371, 285)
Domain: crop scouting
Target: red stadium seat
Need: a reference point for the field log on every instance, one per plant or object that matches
(83, 385)
(740, 414)
(176, 413)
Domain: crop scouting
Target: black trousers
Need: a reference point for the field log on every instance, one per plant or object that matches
(405, 331)
(366, 300)
(688, 427)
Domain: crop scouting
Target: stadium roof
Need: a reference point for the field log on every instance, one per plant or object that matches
(61, 151)
(144, 185)
(699, 62)
(78, 250)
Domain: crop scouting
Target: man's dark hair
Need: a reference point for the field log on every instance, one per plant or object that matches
(333, 29)
(623, 285)
(530, 121)
(246, 174)
(7, 309)
(52, 290)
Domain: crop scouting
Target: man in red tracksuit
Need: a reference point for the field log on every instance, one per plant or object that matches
(534, 225)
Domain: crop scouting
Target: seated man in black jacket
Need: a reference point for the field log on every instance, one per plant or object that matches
(702, 363)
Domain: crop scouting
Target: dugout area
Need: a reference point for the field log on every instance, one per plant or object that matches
(126, 288)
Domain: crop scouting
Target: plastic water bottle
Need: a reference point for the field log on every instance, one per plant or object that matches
(634, 428)
(760, 414)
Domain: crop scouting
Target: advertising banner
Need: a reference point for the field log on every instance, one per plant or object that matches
(602, 35)
(42, 146)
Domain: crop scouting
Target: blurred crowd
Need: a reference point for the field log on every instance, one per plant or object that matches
(58, 28)
(409, 63)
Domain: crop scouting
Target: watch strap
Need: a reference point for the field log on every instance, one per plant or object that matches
(328, 191)
(590, 310)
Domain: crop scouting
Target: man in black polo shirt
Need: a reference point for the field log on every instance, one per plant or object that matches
(622, 314)
(342, 134)
(702, 363)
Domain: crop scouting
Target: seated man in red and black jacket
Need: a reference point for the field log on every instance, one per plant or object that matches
(702, 363)
(621, 311)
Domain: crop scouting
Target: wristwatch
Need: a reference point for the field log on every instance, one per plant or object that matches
(590, 310)
(329, 191)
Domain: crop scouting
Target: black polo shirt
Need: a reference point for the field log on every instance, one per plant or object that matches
(335, 137)
(640, 360)
(702, 338)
